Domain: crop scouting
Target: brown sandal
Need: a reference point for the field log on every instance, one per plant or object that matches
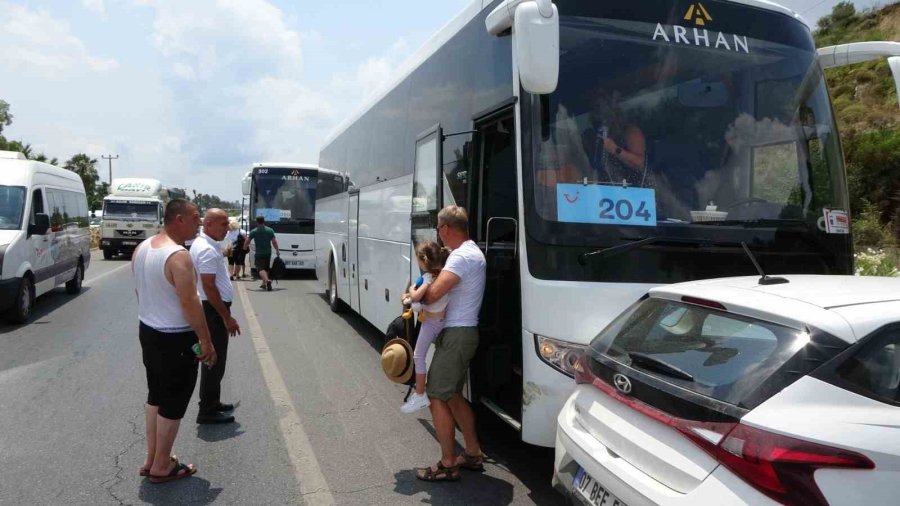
(443, 473)
(471, 462)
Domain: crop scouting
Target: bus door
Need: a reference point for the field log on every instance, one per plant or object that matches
(497, 370)
(426, 199)
(352, 263)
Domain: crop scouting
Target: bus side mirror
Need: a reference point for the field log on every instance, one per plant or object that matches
(245, 187)
(894, 63)
(536, 37)
(41, 224)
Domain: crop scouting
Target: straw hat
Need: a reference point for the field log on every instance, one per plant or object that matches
(397, 360)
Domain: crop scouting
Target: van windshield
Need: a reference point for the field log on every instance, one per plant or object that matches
(131, 210)
(12, 205)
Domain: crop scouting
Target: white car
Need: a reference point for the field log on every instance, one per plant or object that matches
(732, 391)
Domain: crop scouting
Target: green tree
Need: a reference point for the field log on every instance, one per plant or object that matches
(5, 116)
(86, 168)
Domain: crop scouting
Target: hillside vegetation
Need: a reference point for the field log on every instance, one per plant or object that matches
(865, 101)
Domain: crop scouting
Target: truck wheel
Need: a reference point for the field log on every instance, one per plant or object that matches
(74, 286)
(21, 310)
(108, 254)
(333, 301)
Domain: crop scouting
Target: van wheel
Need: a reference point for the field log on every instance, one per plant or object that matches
(333, 301)
(20, 312)
(74, 286)
(107, 254)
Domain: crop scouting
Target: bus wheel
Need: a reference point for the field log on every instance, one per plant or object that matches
(107, 254)
(21, 310)
(333, 301)
(74, 286)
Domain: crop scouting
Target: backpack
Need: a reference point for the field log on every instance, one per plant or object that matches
(278, 269)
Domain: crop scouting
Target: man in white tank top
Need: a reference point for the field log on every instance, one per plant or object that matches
(171, 322)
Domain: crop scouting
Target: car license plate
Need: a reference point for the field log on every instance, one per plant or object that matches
(592, 492)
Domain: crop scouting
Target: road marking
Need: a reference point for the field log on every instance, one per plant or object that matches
(313, 486)
(98, 278)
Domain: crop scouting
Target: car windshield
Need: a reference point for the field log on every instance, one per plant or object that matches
(286, 198)
(663, 128)
(714, 353)
(12, 205)
(130, 210)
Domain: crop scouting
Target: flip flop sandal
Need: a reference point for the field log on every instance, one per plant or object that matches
(146, 472)
(188, 470)
(443, 473)
(472, 462)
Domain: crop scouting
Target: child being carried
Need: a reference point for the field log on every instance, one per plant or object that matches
(431, 258)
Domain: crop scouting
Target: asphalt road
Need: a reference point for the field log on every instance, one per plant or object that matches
(317, 422)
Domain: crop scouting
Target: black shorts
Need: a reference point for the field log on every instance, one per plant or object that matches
(263, 262)
(237, 257)
(171, 369)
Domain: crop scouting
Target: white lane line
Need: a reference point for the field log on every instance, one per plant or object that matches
(313, 486)
(98, 278)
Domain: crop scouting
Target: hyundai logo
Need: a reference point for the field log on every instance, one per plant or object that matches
(623, 384)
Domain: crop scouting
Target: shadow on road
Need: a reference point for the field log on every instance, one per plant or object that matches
(43, 306)
(191, 490)
(473, 488)
(219, 432)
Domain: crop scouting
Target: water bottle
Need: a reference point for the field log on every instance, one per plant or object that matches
(196, 349)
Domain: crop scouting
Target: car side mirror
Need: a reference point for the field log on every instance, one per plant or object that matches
(41, 224)
(536, 36)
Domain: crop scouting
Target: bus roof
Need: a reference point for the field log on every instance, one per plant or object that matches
(449, 30)
(286, 165)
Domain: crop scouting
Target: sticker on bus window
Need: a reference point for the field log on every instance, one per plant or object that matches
(270, 215)
(836, 221)
(606, 205)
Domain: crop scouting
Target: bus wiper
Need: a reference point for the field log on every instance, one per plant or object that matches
(624, 248)
(658, 365)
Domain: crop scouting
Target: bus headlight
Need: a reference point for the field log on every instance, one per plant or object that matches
(560, 355)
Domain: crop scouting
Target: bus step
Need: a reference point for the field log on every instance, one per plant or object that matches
(512, 422)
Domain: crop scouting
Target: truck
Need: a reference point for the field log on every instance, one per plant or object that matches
(132, 212)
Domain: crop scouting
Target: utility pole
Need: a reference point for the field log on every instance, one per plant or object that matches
(110, 158)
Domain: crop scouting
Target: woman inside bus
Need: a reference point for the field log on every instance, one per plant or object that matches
(616, 150)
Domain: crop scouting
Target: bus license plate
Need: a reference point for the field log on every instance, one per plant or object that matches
(129, 243)
(298, 263)
(592, 492)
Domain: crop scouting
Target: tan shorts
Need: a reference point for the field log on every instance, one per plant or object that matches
(453, 350)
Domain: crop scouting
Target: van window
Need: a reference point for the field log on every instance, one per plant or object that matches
(12, 207)
(37, 204)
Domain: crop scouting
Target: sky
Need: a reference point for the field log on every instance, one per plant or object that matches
(192, 92)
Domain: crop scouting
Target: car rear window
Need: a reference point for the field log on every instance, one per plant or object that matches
(731, 358)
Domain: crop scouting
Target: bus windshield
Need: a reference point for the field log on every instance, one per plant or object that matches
(12, 204)
(286, 198)
(667, 128)
(130, 209)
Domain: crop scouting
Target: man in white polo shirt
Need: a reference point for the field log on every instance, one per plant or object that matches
(216, 292)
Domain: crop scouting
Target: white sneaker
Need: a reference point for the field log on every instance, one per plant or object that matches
(415, 403)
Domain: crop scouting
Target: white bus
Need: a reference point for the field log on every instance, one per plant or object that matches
(285, 195)
(600, 148)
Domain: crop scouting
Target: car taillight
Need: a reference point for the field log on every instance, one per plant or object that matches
(779, 466)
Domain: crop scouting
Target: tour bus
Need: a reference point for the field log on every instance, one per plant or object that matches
(285, 195)
(44, 236)
(600, 148)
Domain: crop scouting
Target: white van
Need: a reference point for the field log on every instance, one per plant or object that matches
(44, 236)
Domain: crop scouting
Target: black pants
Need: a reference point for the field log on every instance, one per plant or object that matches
(211, 377)
(171, 369)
